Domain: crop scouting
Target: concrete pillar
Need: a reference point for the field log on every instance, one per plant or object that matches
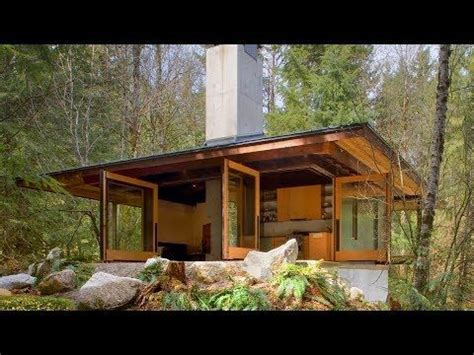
(214, 213)
(234, 93)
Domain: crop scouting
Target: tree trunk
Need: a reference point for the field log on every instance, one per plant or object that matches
(422, 265)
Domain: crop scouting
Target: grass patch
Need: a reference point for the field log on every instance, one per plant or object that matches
(35, 303)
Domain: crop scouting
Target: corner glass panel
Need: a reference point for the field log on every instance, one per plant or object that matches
(362, 222)
(129, 217)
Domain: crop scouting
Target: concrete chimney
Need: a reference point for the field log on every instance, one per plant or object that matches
(234, 94)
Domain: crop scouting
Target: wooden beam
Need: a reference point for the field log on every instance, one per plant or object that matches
(378, 162)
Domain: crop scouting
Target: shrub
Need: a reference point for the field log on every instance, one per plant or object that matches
(35, 303)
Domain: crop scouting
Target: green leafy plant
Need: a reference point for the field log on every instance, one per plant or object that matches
(408, 296)
(239, 297)
(151, 273)
(35, 303)
(177, 301)
(293, 281)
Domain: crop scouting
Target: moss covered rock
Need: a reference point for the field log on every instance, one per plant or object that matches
(57, 282)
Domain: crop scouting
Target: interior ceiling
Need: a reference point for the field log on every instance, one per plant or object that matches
(194, 192)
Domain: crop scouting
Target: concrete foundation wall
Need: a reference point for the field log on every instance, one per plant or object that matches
(374, 282)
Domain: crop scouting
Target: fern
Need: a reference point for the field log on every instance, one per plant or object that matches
(239, 297)
(151, 273)
(177, 301)
(292, 281)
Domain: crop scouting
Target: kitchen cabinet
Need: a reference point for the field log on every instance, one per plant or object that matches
(318, 246)
(299, 203)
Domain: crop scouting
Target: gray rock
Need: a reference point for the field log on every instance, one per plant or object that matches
(356, 294)
(261, 265)
(106, 291)
(43, 268)
(124, 269)
(54, 253)
(32, 269)
(13, 282)
(57, 282)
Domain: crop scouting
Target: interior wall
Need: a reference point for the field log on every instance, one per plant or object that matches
(180, 223)
(175, 222)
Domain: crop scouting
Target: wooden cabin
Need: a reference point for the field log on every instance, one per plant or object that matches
(332, 189)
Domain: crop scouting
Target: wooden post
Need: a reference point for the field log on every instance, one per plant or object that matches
(103, 217)
(388, 213)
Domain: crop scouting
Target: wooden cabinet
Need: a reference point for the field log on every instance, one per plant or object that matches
(277, 241)
(318, 246)
(296, 203)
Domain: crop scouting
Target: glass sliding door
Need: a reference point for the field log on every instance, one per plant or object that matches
(362, 214)
(128, 218)
(241, 206)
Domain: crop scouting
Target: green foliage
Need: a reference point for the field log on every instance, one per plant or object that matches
(322, 85)
(151, 273)
(239, 297)
(293, 280)
(408, 296)
(177, 301)
(35, 303)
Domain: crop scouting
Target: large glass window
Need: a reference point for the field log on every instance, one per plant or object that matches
(241, 206)
(129, 209)
(362, 216)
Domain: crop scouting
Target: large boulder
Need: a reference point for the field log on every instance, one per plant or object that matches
(211, 272)
(18, 281)
(261, 265)
(57, 282)
(106, 291)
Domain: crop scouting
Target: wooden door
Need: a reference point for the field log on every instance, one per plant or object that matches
(129, 218)
(240, 210)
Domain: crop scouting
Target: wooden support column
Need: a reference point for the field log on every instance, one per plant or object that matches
(103, 216)
(335, 228)
(388, 213)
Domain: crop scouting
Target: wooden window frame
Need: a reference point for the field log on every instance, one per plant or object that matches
(380, 254)
(125, 255)
(231, 253)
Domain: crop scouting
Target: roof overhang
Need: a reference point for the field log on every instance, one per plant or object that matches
(347, 150)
